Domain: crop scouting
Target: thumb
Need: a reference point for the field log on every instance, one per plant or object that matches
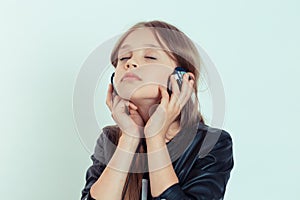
(164, 95)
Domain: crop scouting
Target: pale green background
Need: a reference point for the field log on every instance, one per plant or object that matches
(254, 44)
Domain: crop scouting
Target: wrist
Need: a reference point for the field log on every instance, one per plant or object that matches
(128, 143)
(155, 134)
(155, 142)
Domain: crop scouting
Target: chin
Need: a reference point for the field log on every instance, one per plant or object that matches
(146, 93)
(136, 94)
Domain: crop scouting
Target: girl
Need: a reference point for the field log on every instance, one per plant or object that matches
(159, 121)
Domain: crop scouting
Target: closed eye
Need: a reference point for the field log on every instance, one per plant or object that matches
(124, 58)
(150, 57)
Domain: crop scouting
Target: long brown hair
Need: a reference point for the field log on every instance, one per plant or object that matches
(183, 51)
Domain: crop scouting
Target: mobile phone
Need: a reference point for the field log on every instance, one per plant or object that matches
(178, 72)
(112, 82)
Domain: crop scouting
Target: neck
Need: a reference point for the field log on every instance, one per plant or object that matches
(145, 108)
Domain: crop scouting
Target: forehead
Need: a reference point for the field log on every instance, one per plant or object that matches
(140, 38)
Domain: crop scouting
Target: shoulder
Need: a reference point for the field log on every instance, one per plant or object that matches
(214, 140)
(106, 143)
(209, 172)
(216, 147)
(109, 133)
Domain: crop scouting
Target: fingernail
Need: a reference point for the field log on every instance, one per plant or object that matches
(134, 106)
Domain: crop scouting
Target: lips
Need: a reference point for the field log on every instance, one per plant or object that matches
(130, 76)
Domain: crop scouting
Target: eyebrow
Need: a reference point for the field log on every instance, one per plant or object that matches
(126, 46)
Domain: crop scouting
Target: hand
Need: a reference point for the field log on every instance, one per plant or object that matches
(169, 107)
(124, 114)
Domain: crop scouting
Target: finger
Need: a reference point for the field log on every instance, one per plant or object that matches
(133, 112)
(191, 76)
(184, 87)
(190, 90)
(175, 93)
(126, 102)
(175, 86)
(187, 89)
(131, 105)
(164, 95)
(116, 101)
(126, 105)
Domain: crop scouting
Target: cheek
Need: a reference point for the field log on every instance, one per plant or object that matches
(118, 75)
(137, 90)
(149, 90)
(156, 74)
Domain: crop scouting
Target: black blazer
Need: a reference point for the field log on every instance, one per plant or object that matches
(202, 164)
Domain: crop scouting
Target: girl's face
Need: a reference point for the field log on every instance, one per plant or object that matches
(142, 56)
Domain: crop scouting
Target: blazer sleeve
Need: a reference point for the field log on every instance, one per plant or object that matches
(208, 177)
(96, 169)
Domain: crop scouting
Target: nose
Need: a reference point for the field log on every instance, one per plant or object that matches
(131, 63)
(128, 65)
